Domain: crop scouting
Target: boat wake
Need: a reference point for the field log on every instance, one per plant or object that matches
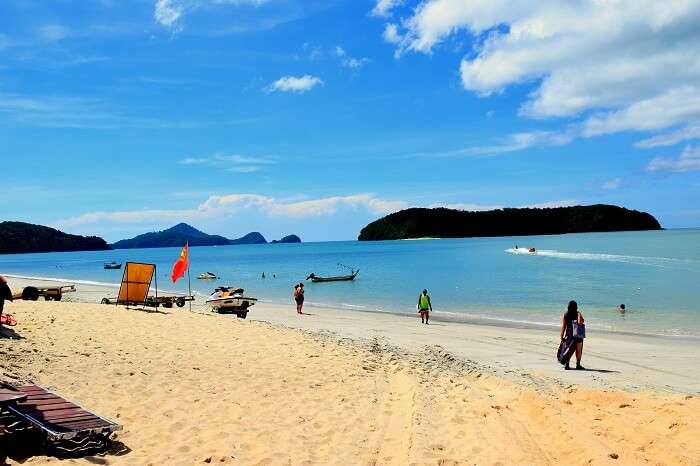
(637, 260)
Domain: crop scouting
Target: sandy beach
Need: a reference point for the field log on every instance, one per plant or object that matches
(341, 387)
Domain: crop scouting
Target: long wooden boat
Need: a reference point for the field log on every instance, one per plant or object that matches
(342, 278)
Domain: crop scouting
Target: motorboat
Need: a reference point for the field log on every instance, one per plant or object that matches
(207, 276)
(227, 299)
(112, 265)
(339, 278)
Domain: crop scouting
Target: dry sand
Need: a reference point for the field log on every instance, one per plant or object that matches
(197, 388)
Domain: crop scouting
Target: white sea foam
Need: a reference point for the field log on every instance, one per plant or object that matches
(585, 256)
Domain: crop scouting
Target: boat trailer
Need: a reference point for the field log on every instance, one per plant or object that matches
(152, 301)
(54, 293)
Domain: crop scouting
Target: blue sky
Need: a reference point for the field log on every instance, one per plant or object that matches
(316, 117)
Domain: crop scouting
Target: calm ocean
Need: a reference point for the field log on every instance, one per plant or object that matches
(656, 274)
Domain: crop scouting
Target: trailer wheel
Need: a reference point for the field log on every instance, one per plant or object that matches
(104, 301)
(180, 302)
(167, 304)
(30, 293)
(242, 315)
(57, 297)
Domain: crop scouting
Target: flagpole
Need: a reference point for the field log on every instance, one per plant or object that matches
(189, 283)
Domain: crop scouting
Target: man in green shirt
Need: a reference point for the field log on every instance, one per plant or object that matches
(425, 307)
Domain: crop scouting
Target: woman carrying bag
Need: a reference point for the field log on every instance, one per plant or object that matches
(573, 331)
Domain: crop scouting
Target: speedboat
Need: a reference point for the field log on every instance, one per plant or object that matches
(227, 299)
(112, 265)
(207, 276)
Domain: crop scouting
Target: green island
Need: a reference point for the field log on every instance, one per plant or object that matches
(450, 223)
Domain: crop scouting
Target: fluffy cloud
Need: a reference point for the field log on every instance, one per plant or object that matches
(168, 12)
(620, 64)
(233, 204)
(384, 7)
(391, 34)
(689, 160)
(293, 84)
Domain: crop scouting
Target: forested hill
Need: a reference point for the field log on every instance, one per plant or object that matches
(449, 223)
(19, 237)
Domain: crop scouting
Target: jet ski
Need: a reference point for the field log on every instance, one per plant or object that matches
(227, 299)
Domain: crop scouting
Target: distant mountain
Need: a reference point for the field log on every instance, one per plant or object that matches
(288, 239)
(19, 237)
(449, 223)
(172, 237)
(184, 233)
(250, 238)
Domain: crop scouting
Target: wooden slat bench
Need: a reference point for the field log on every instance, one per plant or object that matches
(65, 425)
(58, 417)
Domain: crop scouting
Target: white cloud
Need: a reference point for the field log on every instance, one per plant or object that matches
(612, 184)
(689, 160)
(348, 61)
(234, 163)
(671, 138)
(169, 13)
(233, 204)
(516, 142)
(293, 84)
(391, 34)
(635, 63)
(384, 7)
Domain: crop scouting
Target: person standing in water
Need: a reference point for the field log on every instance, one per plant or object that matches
(425, 307)
(299, 297)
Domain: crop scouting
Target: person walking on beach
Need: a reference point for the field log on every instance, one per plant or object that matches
(299, 297)
(425, 307)
(570, 318)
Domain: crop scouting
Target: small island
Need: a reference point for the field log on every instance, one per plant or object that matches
(20, 237)
(183, 233)
(449, 223)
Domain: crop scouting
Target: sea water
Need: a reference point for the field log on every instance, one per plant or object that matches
(656, 274)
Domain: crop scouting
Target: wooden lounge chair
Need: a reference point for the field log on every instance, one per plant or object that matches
(64, 427)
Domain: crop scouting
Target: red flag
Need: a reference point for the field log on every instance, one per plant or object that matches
(182, 264)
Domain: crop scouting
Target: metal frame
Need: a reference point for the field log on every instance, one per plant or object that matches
(125, 277)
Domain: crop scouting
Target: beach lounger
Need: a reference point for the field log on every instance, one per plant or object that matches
(64, 427)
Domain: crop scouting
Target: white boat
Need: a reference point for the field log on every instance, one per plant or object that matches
(232, 300)
(207, 276)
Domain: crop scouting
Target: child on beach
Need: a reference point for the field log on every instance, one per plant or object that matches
(299, 297)
(622, 309)
(425, 307)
